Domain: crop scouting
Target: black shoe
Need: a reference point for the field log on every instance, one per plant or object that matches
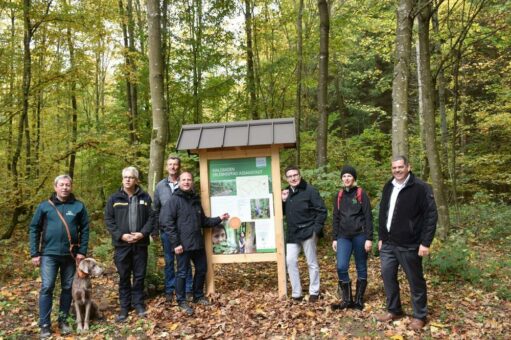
(185, 307)
(64, 327)
(141, 312)
(123, 315)
(313, 298)
(169, 297)
(347, 297)
(298, 299)
(189, 296)
(202, 301)
(45, 332)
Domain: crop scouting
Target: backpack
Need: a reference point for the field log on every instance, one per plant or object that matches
(358, 195)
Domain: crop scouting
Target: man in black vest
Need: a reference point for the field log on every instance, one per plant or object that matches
(407, 225)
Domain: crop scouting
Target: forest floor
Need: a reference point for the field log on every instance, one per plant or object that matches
(246, 305)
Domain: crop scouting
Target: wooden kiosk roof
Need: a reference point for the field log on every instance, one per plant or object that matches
(237, 134)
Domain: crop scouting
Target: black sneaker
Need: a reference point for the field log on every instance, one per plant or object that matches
(313, 298)
(185, 307)
(141, 312)
(45, 332)
(123, 315)
(298, 299)
(64, 327)
(202, 301)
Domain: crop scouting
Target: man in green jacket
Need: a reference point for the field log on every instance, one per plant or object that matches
(59, 237)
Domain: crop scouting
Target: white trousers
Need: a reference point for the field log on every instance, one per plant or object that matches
(292, 252)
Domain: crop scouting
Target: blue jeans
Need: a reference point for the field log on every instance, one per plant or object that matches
(346, 247)
(170, 272)
(50, 265)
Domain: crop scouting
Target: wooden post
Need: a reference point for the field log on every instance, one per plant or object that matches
(279, 219)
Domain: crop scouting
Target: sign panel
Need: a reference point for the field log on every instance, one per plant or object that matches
(242, 187)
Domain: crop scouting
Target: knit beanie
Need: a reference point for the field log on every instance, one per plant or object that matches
(347, 169)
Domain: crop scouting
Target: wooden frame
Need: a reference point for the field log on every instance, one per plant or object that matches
(272, 151)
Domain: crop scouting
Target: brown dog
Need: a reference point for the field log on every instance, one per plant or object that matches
(85, 308)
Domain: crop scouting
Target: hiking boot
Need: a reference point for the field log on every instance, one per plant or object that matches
(185, 308)
(346, 296)
(417, 324)
(123, 315)
(64, 327)
(388, 316)
(313, 298)
(202, 301)
(141, 312)
(45, 332)
(169, 297)
(359, 295)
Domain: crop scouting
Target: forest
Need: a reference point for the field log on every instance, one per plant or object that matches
(89, 87)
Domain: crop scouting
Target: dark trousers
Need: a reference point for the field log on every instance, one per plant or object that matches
(198, 257)
(131, 261)
(392, 257)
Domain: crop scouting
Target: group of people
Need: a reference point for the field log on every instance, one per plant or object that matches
(59, 233)
(407, 224)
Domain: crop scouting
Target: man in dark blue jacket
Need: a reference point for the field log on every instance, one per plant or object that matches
(407, 224)
(51, 249)
(305, 216)
(129, 218)
(182, 217)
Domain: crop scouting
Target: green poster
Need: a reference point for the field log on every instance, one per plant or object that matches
(242, 188)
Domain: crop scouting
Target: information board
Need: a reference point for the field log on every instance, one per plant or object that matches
(243, 188)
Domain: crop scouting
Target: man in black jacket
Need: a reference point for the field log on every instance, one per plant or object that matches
(130, 220)
(407, 224)
(305, 215)
(182, 218)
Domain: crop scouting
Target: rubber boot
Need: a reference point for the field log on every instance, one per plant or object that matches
(346, 296)
(359, 295)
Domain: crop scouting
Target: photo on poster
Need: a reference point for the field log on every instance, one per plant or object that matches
(223, 188)
(246, 238)
(260, 208)
(224, 239)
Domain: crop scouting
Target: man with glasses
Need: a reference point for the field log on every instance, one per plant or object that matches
(305, 216)
(130, 220)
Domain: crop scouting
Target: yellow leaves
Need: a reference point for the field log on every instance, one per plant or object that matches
(172, 326)
(310, 313)
(397, 337)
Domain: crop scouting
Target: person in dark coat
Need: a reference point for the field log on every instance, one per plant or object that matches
(352, 227)
(52, 251)
(407, 224)
(305, 216)
(130, 220)
(182, 217)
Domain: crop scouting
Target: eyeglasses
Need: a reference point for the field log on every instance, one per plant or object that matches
(293, 176)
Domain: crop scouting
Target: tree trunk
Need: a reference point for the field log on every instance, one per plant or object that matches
(130, 86)
(401, 76)
(159, 114)
(74, 107)
(427, 109)
(322, 134)
(250, 63)
(196, 24)
(299, 70)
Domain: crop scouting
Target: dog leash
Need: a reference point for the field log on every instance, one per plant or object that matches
(71, 245)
